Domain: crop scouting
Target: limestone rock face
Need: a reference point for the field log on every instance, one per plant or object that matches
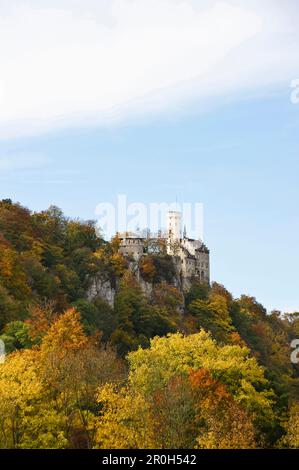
(147, 287)
(101, 288)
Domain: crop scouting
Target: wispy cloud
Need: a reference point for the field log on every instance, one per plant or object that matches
(22, 161)
(71, 63)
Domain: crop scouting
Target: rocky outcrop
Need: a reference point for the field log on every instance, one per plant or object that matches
(102, 288)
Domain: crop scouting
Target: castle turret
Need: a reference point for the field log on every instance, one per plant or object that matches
(174, 225)
(173, 232)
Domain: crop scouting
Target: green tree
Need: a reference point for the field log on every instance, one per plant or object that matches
(97, 316)
(16, 336)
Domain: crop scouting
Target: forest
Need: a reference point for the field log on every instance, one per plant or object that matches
(145, 373)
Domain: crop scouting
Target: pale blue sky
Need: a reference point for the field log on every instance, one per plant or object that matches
(227, 139)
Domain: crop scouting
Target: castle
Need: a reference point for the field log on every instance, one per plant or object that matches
(191, 257)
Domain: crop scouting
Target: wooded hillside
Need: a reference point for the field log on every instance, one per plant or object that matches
(145, 373)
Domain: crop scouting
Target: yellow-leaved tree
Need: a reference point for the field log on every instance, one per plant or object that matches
(187, 392)
(28, 418)
(48, 393)
(291, 439)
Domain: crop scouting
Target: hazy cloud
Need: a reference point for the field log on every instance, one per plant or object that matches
(65, 63)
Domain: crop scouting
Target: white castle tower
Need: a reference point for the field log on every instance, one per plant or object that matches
(174, 221)
(174, 225)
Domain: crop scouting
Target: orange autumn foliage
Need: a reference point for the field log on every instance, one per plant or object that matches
(66, 334)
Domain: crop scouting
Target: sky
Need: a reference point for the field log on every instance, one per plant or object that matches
(162, 99)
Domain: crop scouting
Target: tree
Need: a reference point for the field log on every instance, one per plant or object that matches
(133, 316)
(213, 315)
(291, 438)
(16, 336)
(12, 274)
(173, 415)
(151, 369)
(147, 268)
(97, 316)
(73, 367)
(224, 424)
(190, 392)
(10, 309)
(111, 261)
(195, 410)
(124, 422)
(139, 317)
(48, 393)
(197, 291)
(28, 418)
(39, 321)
